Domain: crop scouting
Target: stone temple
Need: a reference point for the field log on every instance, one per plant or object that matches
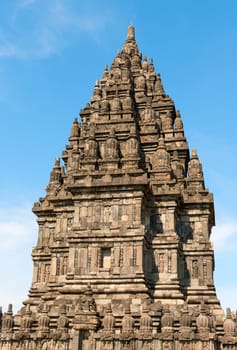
(123, 259)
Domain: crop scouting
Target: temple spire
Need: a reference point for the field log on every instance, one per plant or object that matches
(125, 223)
(130, 46)
(131, 33)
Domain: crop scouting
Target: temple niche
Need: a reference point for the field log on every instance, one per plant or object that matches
(123, 258)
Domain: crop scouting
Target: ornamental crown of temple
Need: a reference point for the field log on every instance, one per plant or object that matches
(123, 258)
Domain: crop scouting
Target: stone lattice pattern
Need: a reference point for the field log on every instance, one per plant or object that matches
(124, 258)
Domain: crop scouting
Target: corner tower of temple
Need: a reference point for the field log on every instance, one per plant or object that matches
(123, 258)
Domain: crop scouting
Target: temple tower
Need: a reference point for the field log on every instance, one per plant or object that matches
(123, 257)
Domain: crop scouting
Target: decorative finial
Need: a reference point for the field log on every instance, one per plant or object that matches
(57, 162)
(75, 128)
(151, 66)
(131, 33)
(118, 53)
(194, 154)
(9, 310)
(195, 167)
(228, 313)
(144, 63)
(178, 122)
(105, 74)
(158, 86)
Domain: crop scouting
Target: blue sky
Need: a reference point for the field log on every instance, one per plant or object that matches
(51, 53)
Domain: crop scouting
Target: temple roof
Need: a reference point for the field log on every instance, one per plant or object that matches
(129, 132)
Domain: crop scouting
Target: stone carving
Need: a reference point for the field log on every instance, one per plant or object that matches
(167, 121)
(127, 321)
(91, 149)
(111, 146)
(167, 345)
(96, 95)
(124, 224)
(194, 166)
(167, 320)
(203, 323)
(62, 321)
(186, 346)
(130, 149)
(185, 325)
(116, 104)
(185, 319)
(75, 130)
(7, 320)
(140, 82)
(151, 67)
(109, 321)
(178, 121)
(177, 166)
(145, 64)
(105, 106)
(145, 321)
(43, 321)
(159, 90)
(161, 158)
(229, 325)
(195, 272)
(127, 103)
(56, 175)
(27, 320)
(148, 115)
(86, 302)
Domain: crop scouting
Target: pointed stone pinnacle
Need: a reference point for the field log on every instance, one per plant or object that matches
(57, 162)
(131, 33)
(194, 154)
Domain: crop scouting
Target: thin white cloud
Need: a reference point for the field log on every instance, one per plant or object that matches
(40, 29)
(224, 235)
(17, 226)
(18, 233)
